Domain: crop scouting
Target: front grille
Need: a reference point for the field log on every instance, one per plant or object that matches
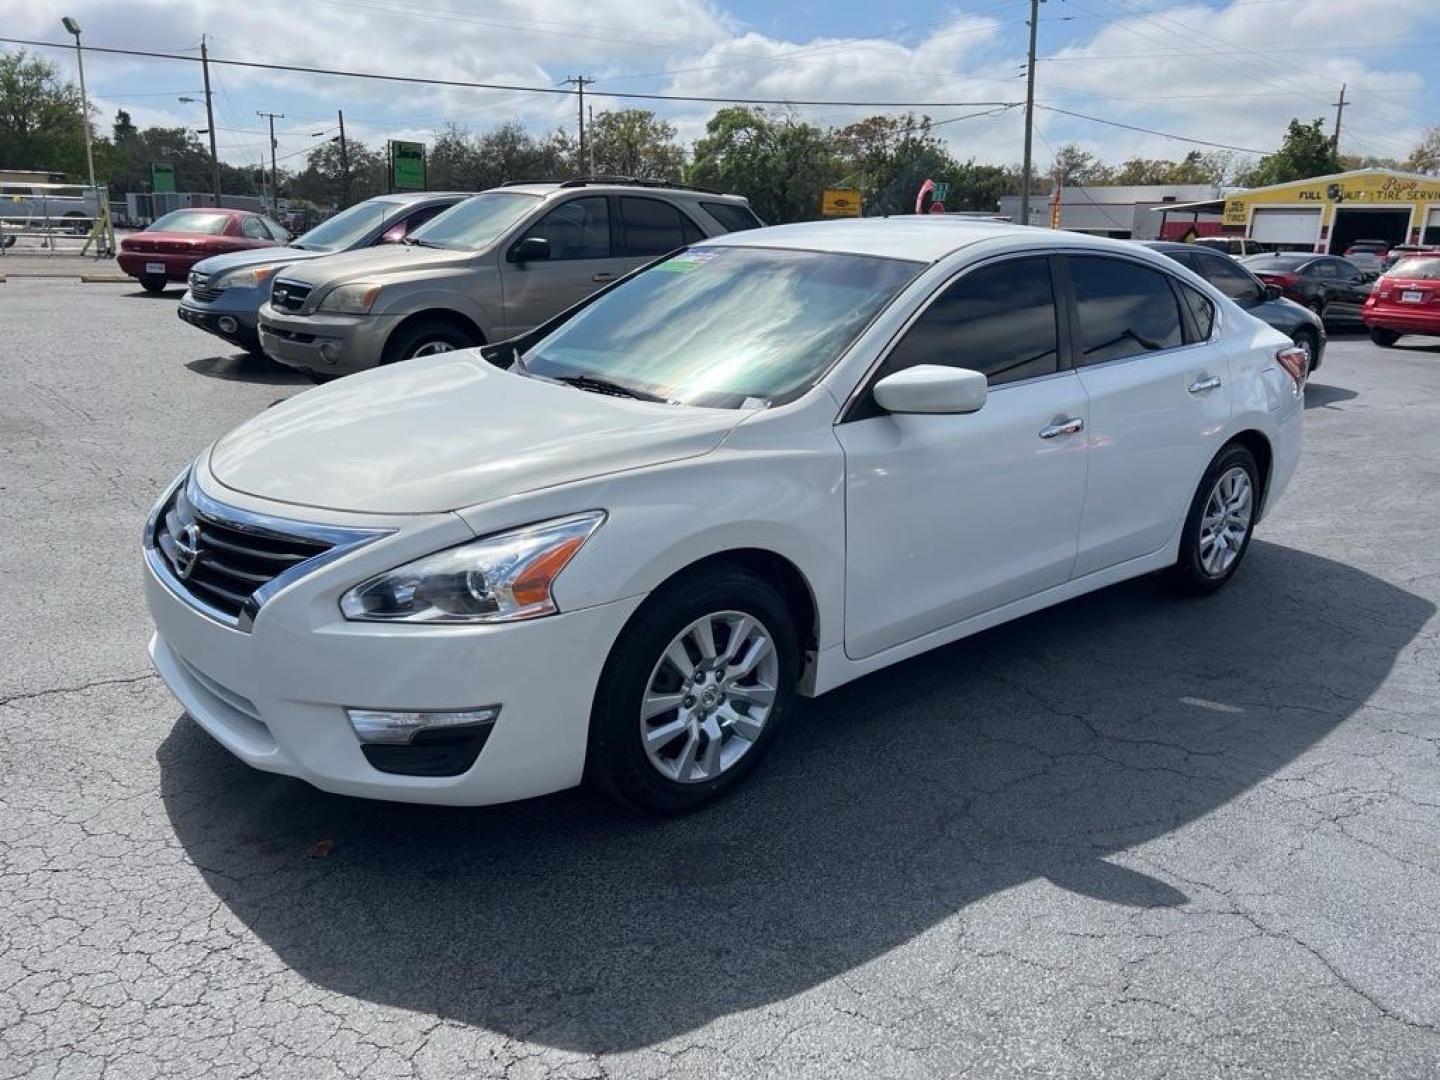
(222, 563)
(288, 295)
(201, 290)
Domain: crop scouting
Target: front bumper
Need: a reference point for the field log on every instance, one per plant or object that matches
(275, 696)
(238, 317)
(330, 344)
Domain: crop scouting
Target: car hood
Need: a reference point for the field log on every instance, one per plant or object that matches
(374, 263)
(450, 431)
(266, 256)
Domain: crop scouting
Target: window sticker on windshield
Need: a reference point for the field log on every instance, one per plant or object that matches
(688, 260)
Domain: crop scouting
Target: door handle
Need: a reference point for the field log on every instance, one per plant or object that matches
(1204, 385)
(1062, 427)
(604, 275)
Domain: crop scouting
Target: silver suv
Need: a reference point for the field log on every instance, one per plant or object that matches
(489, 268)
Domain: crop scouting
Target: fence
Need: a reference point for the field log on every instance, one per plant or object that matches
(54, 219)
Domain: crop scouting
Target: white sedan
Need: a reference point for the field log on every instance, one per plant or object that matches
(617, 548)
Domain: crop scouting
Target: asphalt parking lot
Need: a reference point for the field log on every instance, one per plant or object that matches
(1128, 837)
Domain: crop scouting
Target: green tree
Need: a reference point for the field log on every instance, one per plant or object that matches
(322, 181)
(1425, 158)
(889, 157)
(40, 125)
(779, 163)
(1074, 167)
(130, 158)
(633, 142)
(459, 160)
(1307, 151)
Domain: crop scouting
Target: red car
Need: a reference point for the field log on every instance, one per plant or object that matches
(165, 250)
(1406, 300)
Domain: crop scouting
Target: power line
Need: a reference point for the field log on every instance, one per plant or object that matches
(1152, 131)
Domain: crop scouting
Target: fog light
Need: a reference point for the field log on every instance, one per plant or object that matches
(330, 353)
(228, 325)
(400, 728)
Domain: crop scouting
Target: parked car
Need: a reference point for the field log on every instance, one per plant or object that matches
(165, 250)
(619, 545)
(1265, 302)
(226, 291)
(1333, 288)
(489, 268)
(1406, 300)
(1239, 246)
(1400, 251)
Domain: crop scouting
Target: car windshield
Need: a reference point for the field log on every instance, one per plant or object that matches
(723, 327)
(190, 221)
(1421, 266)
(1277, 262)
(346, 228)
(476, 222)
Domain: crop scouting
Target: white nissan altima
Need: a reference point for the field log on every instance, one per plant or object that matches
(618, 547)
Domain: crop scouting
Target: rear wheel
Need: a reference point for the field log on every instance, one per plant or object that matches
(154, 284)
(1317, 307)
(426, 338)
(1383, 338)
(1220, 523)
(1308, 340)
(694, 691)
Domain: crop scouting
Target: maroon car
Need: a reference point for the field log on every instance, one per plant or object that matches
(165, 250)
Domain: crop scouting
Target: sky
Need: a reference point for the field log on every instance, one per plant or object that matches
(1232, 73)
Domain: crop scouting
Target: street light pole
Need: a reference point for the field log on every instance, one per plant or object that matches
(74, 29)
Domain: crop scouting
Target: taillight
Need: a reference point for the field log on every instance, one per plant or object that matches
(1296, 362)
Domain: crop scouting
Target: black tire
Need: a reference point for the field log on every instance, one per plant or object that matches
(1317, 307)
(154, 284)
(1308, 340)
(409, 340)
(1189, 573)
(616, 761)
(1383, 338)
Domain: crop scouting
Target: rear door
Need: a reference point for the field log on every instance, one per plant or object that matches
(582, 258)
(1348, 291)
(1159, 400)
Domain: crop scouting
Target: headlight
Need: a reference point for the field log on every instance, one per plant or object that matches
(502, 578)
(248, 278)
(350, 299)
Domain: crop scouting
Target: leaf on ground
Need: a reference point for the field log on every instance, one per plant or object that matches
(320, 849)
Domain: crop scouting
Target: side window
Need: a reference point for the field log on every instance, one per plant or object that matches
(255, 229)
(732, 217)
(1345, 271)
(1321, 268)
(578, 229)
(1201, 310)
(690, 229)
(278, 232)
(1125, 309)
(999, 319)
(1230, 279)
(652, 227)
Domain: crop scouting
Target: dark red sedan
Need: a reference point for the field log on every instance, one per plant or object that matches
(165, 250)
(1406, 300)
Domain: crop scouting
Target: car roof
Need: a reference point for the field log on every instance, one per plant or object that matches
(1168, 246)
(551, 187)
(406, 197)
(917, 237)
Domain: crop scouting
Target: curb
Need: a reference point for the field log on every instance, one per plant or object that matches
(87, 279)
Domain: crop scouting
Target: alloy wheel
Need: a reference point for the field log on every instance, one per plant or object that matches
(1226, 521)
(709, 696)
(430, 348)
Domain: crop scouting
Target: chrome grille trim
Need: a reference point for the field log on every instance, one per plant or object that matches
(244, 590)
(288, 295)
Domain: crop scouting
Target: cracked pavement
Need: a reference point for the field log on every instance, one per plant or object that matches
(1129, 837)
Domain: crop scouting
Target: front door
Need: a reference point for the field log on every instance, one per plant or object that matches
(949, 516)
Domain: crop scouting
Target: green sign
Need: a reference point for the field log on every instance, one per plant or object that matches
(162, 177)
(407, 166)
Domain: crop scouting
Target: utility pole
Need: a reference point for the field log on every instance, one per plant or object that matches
(580, 82)
(210, 120)
(1339, 111)
(1029, 114)
(274, 178)
(344, 159)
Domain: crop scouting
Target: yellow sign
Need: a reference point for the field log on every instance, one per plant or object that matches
(1362, 188)
(840, 202)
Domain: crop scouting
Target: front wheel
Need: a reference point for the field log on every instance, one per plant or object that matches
(425, 338)
(1220, 523)
(694, 691)
(1309, 342)
(1383, 338)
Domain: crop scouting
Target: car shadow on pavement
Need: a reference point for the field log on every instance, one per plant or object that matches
(1320, 395)
(1035, 750)
(247, 367)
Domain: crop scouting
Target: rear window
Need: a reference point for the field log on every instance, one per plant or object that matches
(734, 218)
(1277, 262)
(1427, 266)
(191, 221)
(1124, 308)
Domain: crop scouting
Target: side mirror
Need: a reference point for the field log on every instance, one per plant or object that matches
(1273, 292)
(530, 249)
(394, 234)
(932, 388)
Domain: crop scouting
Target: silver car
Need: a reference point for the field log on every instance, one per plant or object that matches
(226, 291)
(487, 269)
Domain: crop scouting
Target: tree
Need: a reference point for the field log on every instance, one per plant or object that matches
(1074, 167)
(40, 125)
(780, 164)
(1307, 151)
(633, 142)
(889, 157)
(124, 128)
(129, 160)
(459, 160)
(1425, 158)
(322, 181)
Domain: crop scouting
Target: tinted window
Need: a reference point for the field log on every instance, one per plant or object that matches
(1202, 311)
(255, 229)
(1344, 269)
(733, 218)
(1124, 309)
(1269, 263)
(578, 229)
(1229, 278)
(1321, 268)
(998, 319)
(652, 227)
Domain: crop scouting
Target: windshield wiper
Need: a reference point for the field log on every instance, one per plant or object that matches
(410, 241)
(605, 386)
